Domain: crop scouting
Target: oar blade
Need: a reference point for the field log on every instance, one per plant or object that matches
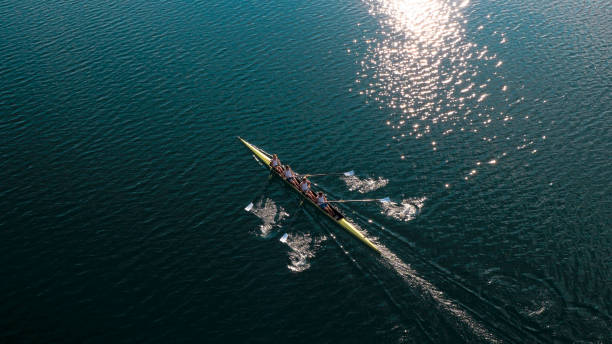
(284, 237)
(349, 173)
(249, 207)
(385, 200)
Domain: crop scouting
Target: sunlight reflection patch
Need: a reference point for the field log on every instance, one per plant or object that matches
(420, 63)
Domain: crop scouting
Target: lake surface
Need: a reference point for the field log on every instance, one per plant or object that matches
(123, 186)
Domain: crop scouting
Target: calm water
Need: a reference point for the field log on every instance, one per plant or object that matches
(123, 187)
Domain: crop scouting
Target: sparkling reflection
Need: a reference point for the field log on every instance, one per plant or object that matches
(421, 66)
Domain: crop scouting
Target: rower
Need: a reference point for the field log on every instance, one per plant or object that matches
(290, 175)
(322, 202)
(275, 163)
(305, 187)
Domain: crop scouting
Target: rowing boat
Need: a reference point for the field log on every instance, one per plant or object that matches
(337, 218)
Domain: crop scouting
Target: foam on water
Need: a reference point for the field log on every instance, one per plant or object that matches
(405, 210)
(270, 214)
(355, 183)
(304, 247)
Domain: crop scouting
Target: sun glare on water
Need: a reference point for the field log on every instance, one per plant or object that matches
(421, 65)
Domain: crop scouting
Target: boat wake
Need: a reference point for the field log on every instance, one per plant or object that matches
(428, 296)
(364, 185)
(465, 324)
(304, 246)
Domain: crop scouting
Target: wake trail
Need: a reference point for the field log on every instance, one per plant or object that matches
(428, 290)
(463, 323)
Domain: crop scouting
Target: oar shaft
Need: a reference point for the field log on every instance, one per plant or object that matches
(354, 200)
(349, 173)
(382, 200)
(322, 174)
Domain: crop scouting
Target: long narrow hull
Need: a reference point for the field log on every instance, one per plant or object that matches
(262, 156)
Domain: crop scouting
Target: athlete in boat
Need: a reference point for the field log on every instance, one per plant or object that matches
(290, 176)
(305, 187)
(322, 202)
(276, 164)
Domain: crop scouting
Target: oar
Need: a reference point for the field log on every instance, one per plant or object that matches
(348, 174)
(381, 200)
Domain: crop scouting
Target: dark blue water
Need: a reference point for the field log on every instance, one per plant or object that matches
(123, 186)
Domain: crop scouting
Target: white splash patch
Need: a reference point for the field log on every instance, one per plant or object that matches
(406, 210)
(303, 249)
(365, 185)
(269, 214)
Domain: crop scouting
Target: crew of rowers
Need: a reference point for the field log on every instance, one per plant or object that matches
(303, 184)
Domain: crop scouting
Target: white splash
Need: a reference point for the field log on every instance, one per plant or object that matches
(269, 214)
(303, 249)
(365, 185)
(406, 210)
